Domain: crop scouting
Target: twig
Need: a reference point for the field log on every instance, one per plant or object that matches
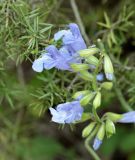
(79, 21)
(121, 98)
(72, 82)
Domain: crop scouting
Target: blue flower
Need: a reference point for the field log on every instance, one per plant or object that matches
(67, 112)
(60, 59)
(71, 38)
(128, 117)
(97, 143)
(43, 62)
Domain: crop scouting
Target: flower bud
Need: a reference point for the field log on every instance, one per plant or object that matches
(88, 52)
(97, 100)
(110, 128)
(113, 116)
(107, 85)
(108, 68)
(86, 99)
(101, 46)
(88, 129)
(100, 77)
(86, 75)
(92, 60)
(101, 132)
(80, 93)
(79, 67)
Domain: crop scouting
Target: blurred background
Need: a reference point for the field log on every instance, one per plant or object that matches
(26, 28)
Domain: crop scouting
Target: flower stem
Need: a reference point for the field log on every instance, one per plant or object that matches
(90, 150)
(95, 114)
(121, 98)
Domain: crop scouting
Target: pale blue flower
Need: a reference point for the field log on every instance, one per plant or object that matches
(60, 59)
(128, 117)
(44, 62)
(71, 38)
(97, 143)
(67, 112)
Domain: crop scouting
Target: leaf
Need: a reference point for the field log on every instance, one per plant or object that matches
(102, 24)
(107, 20)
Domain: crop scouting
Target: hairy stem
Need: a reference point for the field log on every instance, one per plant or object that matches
(72, 82)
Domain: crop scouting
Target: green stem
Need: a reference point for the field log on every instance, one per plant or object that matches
(121, 98)
(95, 114)
(90, 150)
(95, 87)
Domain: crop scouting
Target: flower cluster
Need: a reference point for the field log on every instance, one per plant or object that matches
(92, 64)
(62, 57)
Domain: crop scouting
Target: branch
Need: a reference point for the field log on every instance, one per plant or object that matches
(72, 82)
(79, 21)
(121, 98)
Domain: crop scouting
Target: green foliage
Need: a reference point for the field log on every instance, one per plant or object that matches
(40, 148)
(26, 28)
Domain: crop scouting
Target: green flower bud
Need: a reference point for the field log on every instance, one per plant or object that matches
(88, 129)
(110, 128)
(101, 132)
(86, 99)
(79, 67)
(108, 68)
(85, 116)
(92, 60)
(86, 75)
(97, 100)
(113, 116)
(101, 46)
(107, 85)
(88, 52)
(79, 93)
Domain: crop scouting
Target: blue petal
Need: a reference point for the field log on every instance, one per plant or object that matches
(97, 143)
(60, 34)
(57, 117)
(67, 112)
(38, 65)
(64, 107)
(79, 97)
(74, 29)
(68, 39)
(64, 53)
(109, 76)
(62, 64)
(52, 50)
(128, 117)
(100, 77)
(48, 62)
(53, 111)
